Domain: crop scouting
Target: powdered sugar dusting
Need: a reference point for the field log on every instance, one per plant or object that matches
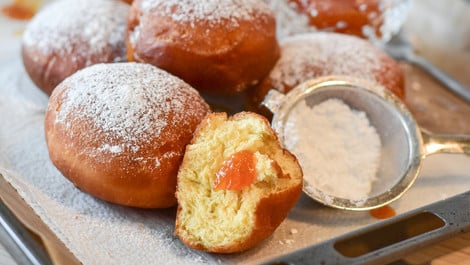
(288, 21)
(291, 21)
(210, 10)
(98, 24)
(127, 102)
(311, 55)
(337, 146)
(115, 149)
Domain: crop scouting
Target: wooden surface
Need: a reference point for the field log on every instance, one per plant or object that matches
(449, 252)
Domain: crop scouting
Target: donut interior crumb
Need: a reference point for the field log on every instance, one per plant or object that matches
(225, 220)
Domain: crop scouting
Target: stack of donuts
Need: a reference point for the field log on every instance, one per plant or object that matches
(128, 79)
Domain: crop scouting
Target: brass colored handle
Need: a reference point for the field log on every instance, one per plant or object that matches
(273, 100)
(453, 144)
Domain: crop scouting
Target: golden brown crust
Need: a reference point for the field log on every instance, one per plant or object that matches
(139, 173)
(48, 70)
(396, 84)
(347, 17)
(209, 55)
(384, 70)
(56, 46)
(269, 211)
(117, 179)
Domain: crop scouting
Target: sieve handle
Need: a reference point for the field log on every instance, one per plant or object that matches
(453, 144)
(273, 100)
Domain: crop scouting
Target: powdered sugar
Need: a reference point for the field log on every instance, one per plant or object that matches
(337, 147)
(115, 149)
(310, 55)
(395, 12)
(81, 27)
(288, 21)
(210, 10)
(127, 102)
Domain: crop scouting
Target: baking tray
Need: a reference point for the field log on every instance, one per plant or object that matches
(76, 228)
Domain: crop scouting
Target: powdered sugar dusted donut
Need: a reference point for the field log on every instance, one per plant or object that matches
(68, 35)
(376, 20)
(311, 55)
(343, 16)
(118, 131)
(218, 46)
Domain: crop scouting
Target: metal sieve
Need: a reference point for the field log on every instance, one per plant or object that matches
(404, 143)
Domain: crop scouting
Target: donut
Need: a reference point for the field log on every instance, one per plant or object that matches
(217, 46)
(118, 131)
(311, 55)
(68, 35)
(232, 196)
(364, 18)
